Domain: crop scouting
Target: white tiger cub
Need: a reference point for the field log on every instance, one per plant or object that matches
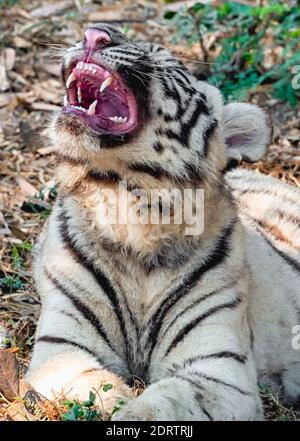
(199, 318)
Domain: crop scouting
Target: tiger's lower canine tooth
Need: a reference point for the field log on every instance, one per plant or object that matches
(79, 94)
(92, 108)
(70, 80)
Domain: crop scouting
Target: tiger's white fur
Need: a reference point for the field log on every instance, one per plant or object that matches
(197, 318)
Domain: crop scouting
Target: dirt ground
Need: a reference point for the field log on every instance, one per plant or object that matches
(33, 36)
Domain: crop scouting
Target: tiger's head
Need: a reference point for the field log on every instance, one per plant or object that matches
(134, 109)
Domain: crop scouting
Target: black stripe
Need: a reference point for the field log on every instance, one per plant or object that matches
(198, 395)
(289, 260)
(58, 340)
(193, 173)
(155, 49)
(195, 322)
(208, 134)
(158, 147)
(155, 171)
(170, 134)
(64, 341)
(188, 380)
(199, 399)
(98, 275)
(70, 315)
(137, 52)
(169, 118)
(185, 91)
(293, 264)
(223, 354)
(108, 176)
(218, 381)
(186, 128)
(81, 308)
(200, 109)
(251, 338)
(184, 95)
(183, 76)
(172, 93)
(196, 303)
(217, 256)
(231, 164)
(129, 61)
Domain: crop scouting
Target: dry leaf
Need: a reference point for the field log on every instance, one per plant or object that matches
(17, 233)
(6, 99)
(9, 376)
(3, 335)
(44, 106)
(21, 42)
(46, 150)
(52, 9)
(26, 188)
(8, 58)
(4, 83)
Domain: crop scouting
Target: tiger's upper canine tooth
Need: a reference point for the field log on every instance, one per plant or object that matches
(70, 80)
(92, 108)
(106, 83)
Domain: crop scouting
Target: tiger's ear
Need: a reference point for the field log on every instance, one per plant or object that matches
(247, 131)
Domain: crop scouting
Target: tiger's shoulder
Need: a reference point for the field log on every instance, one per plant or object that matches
(267, 204)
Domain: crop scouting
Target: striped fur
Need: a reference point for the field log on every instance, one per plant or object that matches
(192, 316)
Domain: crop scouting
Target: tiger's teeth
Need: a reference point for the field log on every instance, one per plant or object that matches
(79, 94)
(66, 102)
(105, 84)
(70, 80)
(118, 119)
(114, 119)
(79, 108)
(92, 108)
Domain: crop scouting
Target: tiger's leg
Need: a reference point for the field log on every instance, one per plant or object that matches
(73, 374)
(201, 366)
(73, 354)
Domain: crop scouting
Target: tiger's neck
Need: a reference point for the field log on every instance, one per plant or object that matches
(159, 225)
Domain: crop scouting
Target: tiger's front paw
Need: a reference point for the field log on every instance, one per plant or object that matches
(134, 411)
(145, 408)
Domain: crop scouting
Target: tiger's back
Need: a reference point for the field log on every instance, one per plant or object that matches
(270, 212)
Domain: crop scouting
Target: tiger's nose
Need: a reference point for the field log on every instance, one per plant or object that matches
(95, 39)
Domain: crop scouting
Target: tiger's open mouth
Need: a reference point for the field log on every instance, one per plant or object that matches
(100, 98)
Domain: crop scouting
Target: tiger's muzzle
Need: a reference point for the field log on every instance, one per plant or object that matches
(96, 94)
